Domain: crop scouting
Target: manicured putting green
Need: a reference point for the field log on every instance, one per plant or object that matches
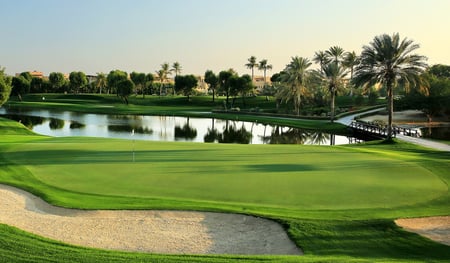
(282, 176)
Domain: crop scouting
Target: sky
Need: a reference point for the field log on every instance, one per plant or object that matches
(139, 35)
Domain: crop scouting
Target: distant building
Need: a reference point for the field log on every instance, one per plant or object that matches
(37, 74)
(258, 82)
(34, 74)
(202, 86)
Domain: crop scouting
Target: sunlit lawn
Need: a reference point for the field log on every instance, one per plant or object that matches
(336, 202)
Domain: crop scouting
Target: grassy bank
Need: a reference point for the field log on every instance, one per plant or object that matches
(337, 203)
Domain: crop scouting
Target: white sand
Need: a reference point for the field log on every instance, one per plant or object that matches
(173, 232)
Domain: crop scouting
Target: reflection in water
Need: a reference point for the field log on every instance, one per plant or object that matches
(27, 121)
(76, 125)
(438, 133)
(186, 132)
(232, 134)
(290, 136)
(212, 135)
(166, 128)
(319, 137)
(56, 124)
(129, 129)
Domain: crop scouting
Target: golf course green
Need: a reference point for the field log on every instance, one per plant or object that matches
(337, 203)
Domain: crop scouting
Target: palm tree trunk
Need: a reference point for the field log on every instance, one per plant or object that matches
(390, 109)
(264, 78)
(333, 95)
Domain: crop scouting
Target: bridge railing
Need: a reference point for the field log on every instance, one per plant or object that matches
(381, 130)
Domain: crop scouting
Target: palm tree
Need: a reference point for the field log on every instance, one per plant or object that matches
(321, 58)
(389, 61)
(162, 74)
(264, 67)
(335, 54)
(295, 78)
(101, 81)
(350, 61)
(176, 67)
(333, 76)
(252, 64)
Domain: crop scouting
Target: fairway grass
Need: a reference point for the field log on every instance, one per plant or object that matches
(288, 178)
(337, 203)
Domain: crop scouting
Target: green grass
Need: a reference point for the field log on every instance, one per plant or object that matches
(237, 177)
(337, 203)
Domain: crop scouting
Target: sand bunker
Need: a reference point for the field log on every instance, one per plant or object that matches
(173, 232)
(435, 228)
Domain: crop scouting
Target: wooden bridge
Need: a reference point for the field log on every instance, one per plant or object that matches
(380, 131)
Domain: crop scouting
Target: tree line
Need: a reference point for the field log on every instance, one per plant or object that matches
(388, 64)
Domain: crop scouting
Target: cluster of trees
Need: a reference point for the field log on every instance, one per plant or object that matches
(388, 62)
(230, 84)
(5, 86)
(434, 102)
(77, 82)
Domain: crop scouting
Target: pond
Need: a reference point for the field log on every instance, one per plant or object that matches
(166, 128)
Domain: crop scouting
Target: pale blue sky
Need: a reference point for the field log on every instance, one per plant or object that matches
(101, 35)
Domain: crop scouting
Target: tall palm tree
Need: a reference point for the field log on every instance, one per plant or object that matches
(295, 79)
(333, 77)
(101, 81)
(251, 65)
(264, 67)
(321, 58)
(162, 75)
(389, 61)
(176, 68)
(350, 61)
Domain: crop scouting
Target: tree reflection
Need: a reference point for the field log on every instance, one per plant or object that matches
(129, 129)
(319, 137)
(212, 135)
(27, 121)
(56, 124)
(231, 134)
(291, 136)
(76, 125)
(186, 132)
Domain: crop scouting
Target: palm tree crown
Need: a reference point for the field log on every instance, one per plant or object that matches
(389, 61)
(264, 66)
(333, 77)
(321, 58)
(295, 77)
(335, 54)
(251, 64)
(176, 68)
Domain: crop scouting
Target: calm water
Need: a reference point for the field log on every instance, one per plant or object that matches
(165, 128)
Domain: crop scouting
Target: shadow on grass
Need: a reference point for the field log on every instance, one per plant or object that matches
(276, 168)
(44, 157)
(376, 239)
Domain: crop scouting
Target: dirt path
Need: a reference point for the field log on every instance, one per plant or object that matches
(173, 232)
(435, 228)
